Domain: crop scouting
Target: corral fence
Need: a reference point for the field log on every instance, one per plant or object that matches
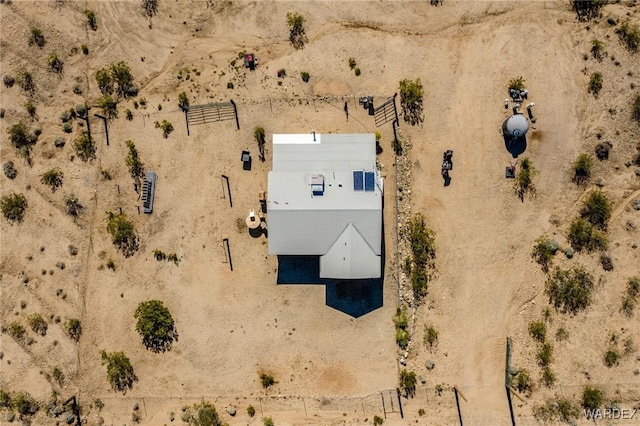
(211, 113)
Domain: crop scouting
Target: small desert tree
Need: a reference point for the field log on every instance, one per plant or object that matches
(597, 49)
(108, 105)
(38, 324)
(21, 139)
(13, 206)
(523, 184)
(24, 404)
(166, 127)
(591, 398)
(570, 290)
(150, 7)
(73, 328)
(266, 380)
(411, 94)
(595, 84)
(91, 19)
(543, 252)
(84, 147)
(408, 381)
(105, 83)
(55, 64)
(121, 75)
(202, 414)
(123, 233)
(52, 178)
(120, 373)
(516, 83)
(183, 101)
(155, 325)
(36, 37)
(538, 331)
(259, 135)
(430, 337)
(596, 209)
(582, 169)
(135, 166)
(587, 9)
(423, 254)
(584, 236)
(297, 35)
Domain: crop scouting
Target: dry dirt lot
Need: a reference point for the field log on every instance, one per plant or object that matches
(330, 368)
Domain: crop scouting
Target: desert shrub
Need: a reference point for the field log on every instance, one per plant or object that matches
(562, 334)
(128, 114)
(251, 411)
(544, 354)
(57, 375)
(38, 324)
(183, 101)
(559, 409)
(596, 208)
(602, 150)
(523, 382)
(629, 35)
(423, 251)
(9, 170)
(397, 146)
(597, 49)
(231, 86)
(267, 421)
(123, 233)
(584, 236)
(543, 252)
(633, 287)
(16, 330)
(55, 64)
(304, 76)
(67, 127)
(104, 81)
(21, 139)
(595, 84)
(134, 164)
(297, 35)
(150, 7)
(628, 305)
(523, 183)
(408, 381)
(30, 108)
(587, 10)
(52, 178)
(73, 328)
(36, 37)
(5, 399)
(352, 63)
(84, 147)
(155, 325)
(8, 81)
(592, 398)
(201, 414)
(266, 380)
(570, 290)
(548, 378)
(402, 338)
(260, 136)
(13, 206)
(108, 105)
(91, 19)
(377, 420)
(85, 49)
(166, 127)
(120, 374)
(25, 80)
(430, 337)
(400, 319)
(24, 404)
(582, 169)
(606, 261)
(111, 265)
(611, 357)
(516, 83)
(357, 72)
(538, 330)
(635, 112)
(411, 94)
(72, 205)
(116, 77)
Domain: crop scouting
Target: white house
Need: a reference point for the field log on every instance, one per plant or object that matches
(325, 198)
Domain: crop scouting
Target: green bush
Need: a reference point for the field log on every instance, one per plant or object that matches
(523, 382)
(582, 169)
(548, 377)
(629, 34)
(201, 414)
(357, 72)
(570, 290)
(543, 252)
(538, 330)
(544, 354)
(559, 409)
(134, 164)
(562, 334)
(352, 63)
(25, 80)
(423, 252)
(587, 10)
(91, 19)
(516, 83)
(30, 108)
(24, 404)
(183, 101)
(596, 209)
(84, 147)
(597, 49)
(251, 411)
(36, 37)
(55, 64)
(297, 35)
(85, 49)
(260, 136)
(408, 381)
(16, 330)
(150, 7)
(267, 421)
(611, 357)
(523, 183)
(116, 77)
(38, 324)
(591, 398)
(108, 105)
(402, 338)
(401, 323)
(13, 206)
(305, 76)
(584, 236)
(411, 94)
(266, 380)
(377, 420)
(73, 328)
(595, 84)
(5, 399)
(73, 206)
(57, 375)
(166, 127)
(52, 178)
(155, 325)
(21, 139)
(120, 373)
(123, 233)
(430, 337)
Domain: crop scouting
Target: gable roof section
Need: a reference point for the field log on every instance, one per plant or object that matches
(350, 257)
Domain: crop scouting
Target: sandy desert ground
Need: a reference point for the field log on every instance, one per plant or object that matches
(330, 368)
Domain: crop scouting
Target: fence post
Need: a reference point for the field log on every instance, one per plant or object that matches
(226, 241)
(186, 118)
(507, 380)
(400, 403)
(235, 110)
(455, 392)
(106, 127)
(395, 109)
(225, 177)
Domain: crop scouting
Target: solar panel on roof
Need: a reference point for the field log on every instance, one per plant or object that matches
(358, 180)
(369, 181)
